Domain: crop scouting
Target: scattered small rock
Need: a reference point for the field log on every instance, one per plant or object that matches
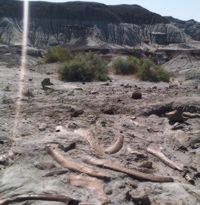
(42, 126)
(72, 125)
(109, 110)
(177, 126)
(4, 140)
(44, 165)
(56, 172)
(7, 88)
(103, 123)
(46, 82)
(109, 191)
(92, 119)
(182, 138)
(105, 84)
(59, 128)
(137, 95)
(175, 116)
(127, 86)
(49, 73)
(138, 197)
(147, 164)
(133, 118)
(94, 92)
(71, 146)
(76, 112)
(79, 89)
(188, 177)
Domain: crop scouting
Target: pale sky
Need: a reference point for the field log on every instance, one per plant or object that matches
(182, 9)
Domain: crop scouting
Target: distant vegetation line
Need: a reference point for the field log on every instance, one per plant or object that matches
(91, 67)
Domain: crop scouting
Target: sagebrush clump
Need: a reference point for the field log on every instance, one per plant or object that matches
(28, 93)
(144, 69)
(126, 66)
(57, 54)
(148, 71)
(84, 68)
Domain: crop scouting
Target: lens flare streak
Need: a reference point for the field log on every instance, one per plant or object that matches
(23, 65)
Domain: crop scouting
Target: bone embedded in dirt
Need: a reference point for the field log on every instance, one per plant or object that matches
(74, 166)
(39, 197)
(95, 186)
(175, 116)
(120, 168)
(164, 159)
(92, 140)
(116, 147)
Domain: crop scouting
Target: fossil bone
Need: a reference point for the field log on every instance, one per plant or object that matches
(164, 159)
(70, 164)
(95, 186)
(39, 197)
(116, 146)
(137, 153)
(120, 168)
(92, 140)
(191, 115)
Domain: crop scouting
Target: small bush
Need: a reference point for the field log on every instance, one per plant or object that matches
(145, 69)
(148, 71)
(28, 93)
(7, 88)
(6, 100)
(162, 74)
(84, 68)
(126, 66)
(2, 41)
(57, 54)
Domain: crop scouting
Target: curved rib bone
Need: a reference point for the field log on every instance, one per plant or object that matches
(69, 164)
(116, 146)
(191, 115)
(92, 140)
(164, 159)
(96, 186)
(40, 197)
(117, 167)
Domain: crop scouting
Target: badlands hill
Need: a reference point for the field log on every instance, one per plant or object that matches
(93, 24)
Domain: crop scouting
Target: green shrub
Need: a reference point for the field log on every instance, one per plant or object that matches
(126, 66)
(148, 71)
(7, 88)
(1, 40)
(145, 69)
(28, 93)
(162, 74)
(85, 68)
(57, 54)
